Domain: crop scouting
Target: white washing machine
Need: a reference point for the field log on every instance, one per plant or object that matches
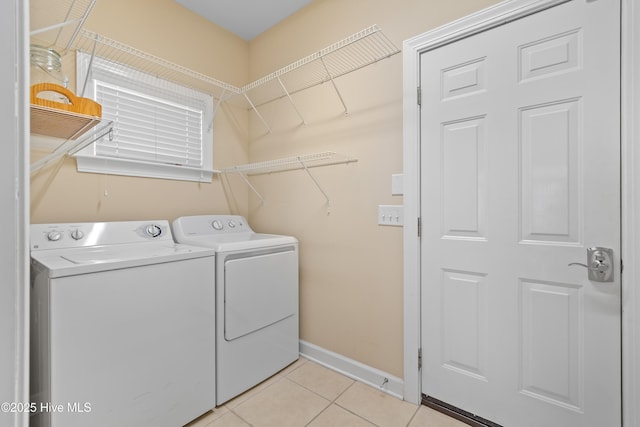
(256, 297)
(121, 326)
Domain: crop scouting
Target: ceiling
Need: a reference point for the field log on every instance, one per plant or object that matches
(245, 18)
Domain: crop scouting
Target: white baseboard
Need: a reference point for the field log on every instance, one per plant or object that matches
(353, 369)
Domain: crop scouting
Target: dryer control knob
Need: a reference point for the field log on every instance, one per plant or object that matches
(217, 224)
(54, 236)
(77, 234)
(232, 224)
(153, 230)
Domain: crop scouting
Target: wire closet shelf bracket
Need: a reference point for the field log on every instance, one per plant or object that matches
(302, 162)
(59, 23)
(357, 51)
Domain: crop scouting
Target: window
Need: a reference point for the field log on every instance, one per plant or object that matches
(160, 129)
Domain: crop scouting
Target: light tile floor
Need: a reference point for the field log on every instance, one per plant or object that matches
(308, 394)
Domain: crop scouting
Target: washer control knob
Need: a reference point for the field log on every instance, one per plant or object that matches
(153, 230)
(77, 234)
(217, 224)
(54, 236)
(232, 224)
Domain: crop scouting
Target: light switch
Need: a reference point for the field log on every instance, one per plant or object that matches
(391, 215)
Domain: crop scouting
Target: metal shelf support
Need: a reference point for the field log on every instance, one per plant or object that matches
(71, 146)
(302, 162)
(291, 100)
(246, 180)
(324, 64)
(77, 12)
(350, 54)
(359, 50)
(264, 122)
(306, 169)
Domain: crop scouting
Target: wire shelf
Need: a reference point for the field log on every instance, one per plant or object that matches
(303, 162)
(291, 163)
(122, 54)
(57, 23)
(350, 54)
(353, 53)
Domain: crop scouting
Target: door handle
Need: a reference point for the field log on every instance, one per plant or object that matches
(599, 262)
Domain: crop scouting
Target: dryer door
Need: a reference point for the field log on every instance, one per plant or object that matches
(259, 289)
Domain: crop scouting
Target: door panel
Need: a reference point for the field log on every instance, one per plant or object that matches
(464, 323)
(519, 176)
(550, 144)
(551, 342)
(259, 290)
(464, 186)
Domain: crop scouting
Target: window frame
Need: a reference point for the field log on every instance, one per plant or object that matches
(121, 75)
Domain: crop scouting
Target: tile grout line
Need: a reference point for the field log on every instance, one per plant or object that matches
(349, 410)
(413, 416)
(259, 392)
(366, 419)
(331, 402)
(281, 377)
(334, 402)
(319, 413)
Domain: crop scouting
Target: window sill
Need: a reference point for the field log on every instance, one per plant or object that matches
(113, 166)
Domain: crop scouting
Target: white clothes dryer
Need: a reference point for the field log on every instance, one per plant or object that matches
(256, 297)
(121, 326)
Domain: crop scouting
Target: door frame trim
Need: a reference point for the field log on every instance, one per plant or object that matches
(14, 290)
(483, 20)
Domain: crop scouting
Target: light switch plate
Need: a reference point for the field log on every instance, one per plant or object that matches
(391, 215)
(397, 185)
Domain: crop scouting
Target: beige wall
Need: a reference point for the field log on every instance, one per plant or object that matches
(168, 30)
(351, 268)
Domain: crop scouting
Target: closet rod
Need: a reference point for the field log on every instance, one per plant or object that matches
(326, 65)
(326, 158)
(120, 53)
(363, 34)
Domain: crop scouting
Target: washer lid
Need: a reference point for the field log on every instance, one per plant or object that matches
(238, 241)
(73, 261)
(224, 233)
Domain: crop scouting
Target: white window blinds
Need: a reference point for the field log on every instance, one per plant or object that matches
(149, 128)
(160, 129)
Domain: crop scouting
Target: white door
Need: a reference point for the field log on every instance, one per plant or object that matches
(519, 176)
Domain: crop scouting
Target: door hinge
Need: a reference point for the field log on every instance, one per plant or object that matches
(420, 358)
(621, 266)
(419, 92)
(419, 227)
